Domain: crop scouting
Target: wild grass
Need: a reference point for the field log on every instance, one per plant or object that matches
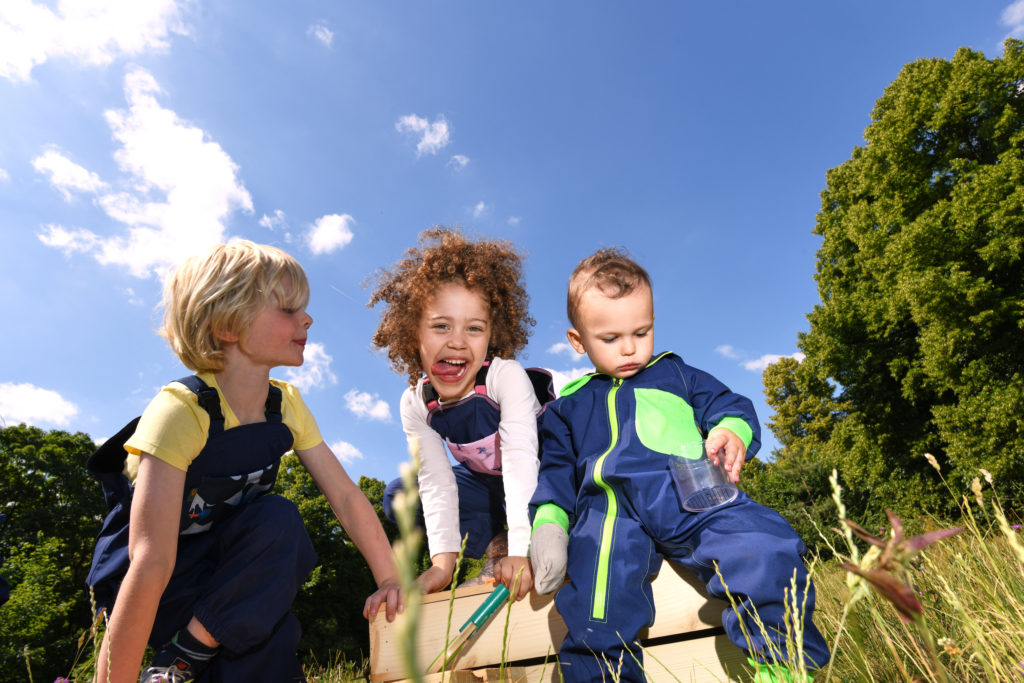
(952, 608)
(944, 606)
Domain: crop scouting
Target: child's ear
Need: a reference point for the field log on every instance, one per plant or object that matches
(226, 336)
(576, 340)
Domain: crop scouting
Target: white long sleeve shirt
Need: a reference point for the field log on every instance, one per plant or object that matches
(509, 386)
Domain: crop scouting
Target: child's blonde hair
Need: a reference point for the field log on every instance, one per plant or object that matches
(611, 271)
(491, 267)
(220, 292)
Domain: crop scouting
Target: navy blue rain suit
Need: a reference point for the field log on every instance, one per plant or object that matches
(605, 448)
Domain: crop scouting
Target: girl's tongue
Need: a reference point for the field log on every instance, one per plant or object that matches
(447, 371)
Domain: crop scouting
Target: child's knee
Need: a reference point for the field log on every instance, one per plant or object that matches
(388, 500)
(271, 520)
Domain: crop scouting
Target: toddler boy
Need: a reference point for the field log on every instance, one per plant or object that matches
(606, 497)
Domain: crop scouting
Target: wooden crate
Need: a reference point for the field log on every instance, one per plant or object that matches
(686, 641)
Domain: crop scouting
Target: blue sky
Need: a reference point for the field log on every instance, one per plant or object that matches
(135, 132)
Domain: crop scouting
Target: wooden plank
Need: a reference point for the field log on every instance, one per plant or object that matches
(531, 628)
(711, 659)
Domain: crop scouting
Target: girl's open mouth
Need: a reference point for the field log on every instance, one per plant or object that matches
(449, 370)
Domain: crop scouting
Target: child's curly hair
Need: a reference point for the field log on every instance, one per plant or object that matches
(491, 267)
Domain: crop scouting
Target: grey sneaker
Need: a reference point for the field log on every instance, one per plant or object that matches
(166, 674)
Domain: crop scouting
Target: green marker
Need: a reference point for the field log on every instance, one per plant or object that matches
(475, 622)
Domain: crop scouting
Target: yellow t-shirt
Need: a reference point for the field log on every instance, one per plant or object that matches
(174, 426)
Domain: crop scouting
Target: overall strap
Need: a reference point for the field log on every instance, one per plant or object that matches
(209, 400)
(272, 409)
(543, 385)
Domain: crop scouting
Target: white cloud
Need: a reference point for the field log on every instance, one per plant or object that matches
(513, 220)
(90, 32)
(133, 298)
(567, 349)
(562, 377)
(363, 404)
(1013, 17)
(4, 176)
(320, 32)
(479, 209)
(69, 241)
(274, 222)
(764, 361)
(277, 222)
(315, 371)
(434, 135)
(753, 364)
(727, 351)
(458, 161)
(346, 452)
(66, 175)
(330, 233)
(164, 158)
(33, 405)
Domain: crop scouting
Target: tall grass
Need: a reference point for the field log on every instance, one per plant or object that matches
(943, 606)
(960, 616)
(946, 605)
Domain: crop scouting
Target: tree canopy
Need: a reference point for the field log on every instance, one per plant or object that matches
(916, 345)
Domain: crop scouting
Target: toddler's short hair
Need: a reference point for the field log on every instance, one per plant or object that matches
(610, 270)
(220, 292)
(488, 266)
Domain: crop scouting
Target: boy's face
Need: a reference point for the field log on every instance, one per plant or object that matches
(454, 334)
(276, 336)
(617, 334)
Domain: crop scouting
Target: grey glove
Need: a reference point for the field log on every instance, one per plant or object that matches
(548, 546)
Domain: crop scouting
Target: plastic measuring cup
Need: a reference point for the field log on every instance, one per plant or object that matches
(701, 484)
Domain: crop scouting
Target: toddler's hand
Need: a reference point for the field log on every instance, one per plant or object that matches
(722, 443)
(507, 570)
(548, 555)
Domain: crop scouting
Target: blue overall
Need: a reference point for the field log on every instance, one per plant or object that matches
(604, 461)
(242, 553)
(467, 426)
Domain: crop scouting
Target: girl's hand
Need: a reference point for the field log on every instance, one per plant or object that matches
(390, 594)
(723, 444)
(440, 573)
(509, 567)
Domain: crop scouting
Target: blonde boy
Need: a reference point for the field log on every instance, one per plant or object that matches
(211, 560)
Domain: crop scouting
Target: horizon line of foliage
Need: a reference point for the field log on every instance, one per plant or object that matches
(916, 345)
(55, 509)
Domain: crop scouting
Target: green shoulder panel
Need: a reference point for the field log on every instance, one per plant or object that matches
(575, 385)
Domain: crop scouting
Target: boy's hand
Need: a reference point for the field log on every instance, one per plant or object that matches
(389, 593)
(548, 554)
(509, 567)
(722, 443)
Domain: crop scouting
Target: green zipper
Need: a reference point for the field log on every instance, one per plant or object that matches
(608, 527)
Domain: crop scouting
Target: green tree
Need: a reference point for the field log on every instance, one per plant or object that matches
(330, 604)
(54, 511)
(915, 346)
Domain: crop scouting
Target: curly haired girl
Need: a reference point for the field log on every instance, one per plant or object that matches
(454, 317)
